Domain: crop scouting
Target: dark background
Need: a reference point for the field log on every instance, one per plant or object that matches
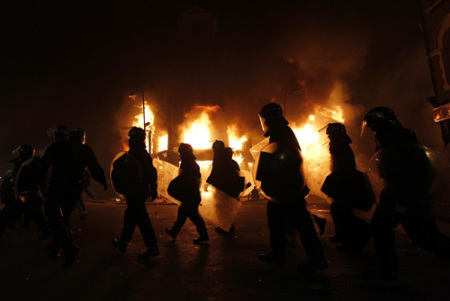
(75, 62)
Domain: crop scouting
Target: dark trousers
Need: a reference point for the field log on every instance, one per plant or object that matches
(136, 215)
(280, 216)
(418, 224)
(192, 213)
(351, 230)
(59, 198)
(32, 210)
(8, 216)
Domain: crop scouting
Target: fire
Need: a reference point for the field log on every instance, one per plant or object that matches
(238, 158)
(316, 155)
(234, 141)
(198, 132)
(336, 113)
(307, 135)
(149, 119)
(149, 123)
(163, 141)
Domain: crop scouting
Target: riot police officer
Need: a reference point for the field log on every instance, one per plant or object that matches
(225, 174)
(407, 174)
(185, 188)
(136, 213)
(12, 210)
(28, 185)
(288, 206)
(68, 159)
(346, 186)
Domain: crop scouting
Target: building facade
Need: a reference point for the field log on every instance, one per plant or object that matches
(436, 29)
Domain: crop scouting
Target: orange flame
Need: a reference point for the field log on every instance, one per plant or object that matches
(197, 132)
(163, 141)
(234, 140)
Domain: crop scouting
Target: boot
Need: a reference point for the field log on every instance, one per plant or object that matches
(152, 251)
(119, 244)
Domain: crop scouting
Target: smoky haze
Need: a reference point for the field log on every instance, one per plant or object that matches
(77, 65)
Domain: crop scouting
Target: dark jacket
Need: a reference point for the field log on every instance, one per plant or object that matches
(69, 159)
(149, 184)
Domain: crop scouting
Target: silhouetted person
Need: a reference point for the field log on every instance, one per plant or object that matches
(225, 174)
(136, 213)
(346, 186)
(287, 204)
(185, 188)
(27, 184)
(13, 207)
(68, 159)
(405, 169)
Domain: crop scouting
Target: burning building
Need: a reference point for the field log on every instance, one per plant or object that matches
(200, 97)
(436, 28)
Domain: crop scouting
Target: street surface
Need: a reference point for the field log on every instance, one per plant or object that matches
(225, 269)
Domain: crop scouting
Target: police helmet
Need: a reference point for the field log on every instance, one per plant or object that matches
(378, 116)
(271, 114)
(77, 134)
(229, 152)
(218, 145)
(137, 134)
(23, 151)
(185, 148)
(60, 132)
(271, 111)
(336, 129)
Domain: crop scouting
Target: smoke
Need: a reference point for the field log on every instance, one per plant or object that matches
(298, 53)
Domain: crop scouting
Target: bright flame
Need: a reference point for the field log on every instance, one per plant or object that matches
(234, 141)
(307, 135)
(149, 121)
(238, 158)
(198, 134)
(163, 142)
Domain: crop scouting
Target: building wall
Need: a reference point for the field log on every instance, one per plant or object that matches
(436, 28)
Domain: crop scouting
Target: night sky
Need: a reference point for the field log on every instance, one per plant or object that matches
(74, 62)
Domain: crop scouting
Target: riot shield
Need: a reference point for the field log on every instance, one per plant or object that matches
(126, 174)
(249, 183)
(414, 170)
(279, 173)
(216, 206)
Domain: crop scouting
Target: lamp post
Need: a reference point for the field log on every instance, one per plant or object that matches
(133, 96)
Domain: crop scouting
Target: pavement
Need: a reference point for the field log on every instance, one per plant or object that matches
(226, 268)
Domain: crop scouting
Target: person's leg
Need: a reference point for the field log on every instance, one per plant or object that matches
(276, 219)
(129, 224)
(199, 223)
(384, 221)
(301, 219)
(182, 215)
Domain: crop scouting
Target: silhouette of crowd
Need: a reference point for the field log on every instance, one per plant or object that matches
(47, 189)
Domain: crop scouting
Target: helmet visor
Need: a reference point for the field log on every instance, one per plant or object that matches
(365, 129)
(263, 123)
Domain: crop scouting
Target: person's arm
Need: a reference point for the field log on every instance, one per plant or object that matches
(95, 169)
